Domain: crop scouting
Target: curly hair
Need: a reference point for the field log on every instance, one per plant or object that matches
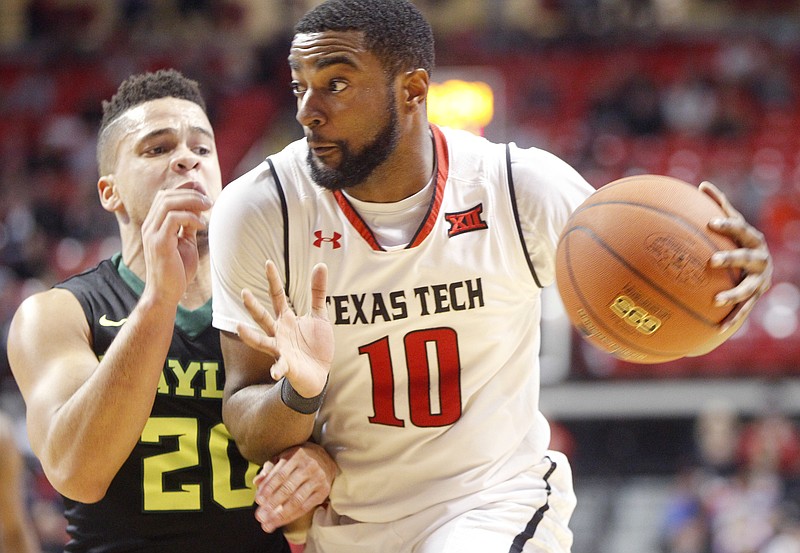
(144, 87)
(394, 30)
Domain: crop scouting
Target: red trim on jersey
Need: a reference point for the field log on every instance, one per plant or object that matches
(356, 220)
(442, 170)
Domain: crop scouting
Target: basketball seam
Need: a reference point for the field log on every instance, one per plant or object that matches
(597, 320)
(677, 217)
(642, 276)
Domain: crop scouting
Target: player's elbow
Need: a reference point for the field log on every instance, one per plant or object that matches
(82, 484)
(250, 446)
(246, 439)
(82, 492)
(251, 452)
(89, 493)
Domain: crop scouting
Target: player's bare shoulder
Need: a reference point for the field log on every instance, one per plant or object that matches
(43, 321)
(56, 307)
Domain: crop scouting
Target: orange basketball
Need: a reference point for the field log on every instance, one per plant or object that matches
(632, 268)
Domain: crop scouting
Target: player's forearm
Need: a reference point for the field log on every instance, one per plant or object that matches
(94, 432)
(262, 425)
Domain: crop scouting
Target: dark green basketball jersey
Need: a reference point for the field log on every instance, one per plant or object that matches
(185, 487)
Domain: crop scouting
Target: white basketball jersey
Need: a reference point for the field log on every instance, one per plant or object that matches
(434, 388)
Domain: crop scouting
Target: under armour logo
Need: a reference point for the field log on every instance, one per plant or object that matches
(465, 221)
(333, 240)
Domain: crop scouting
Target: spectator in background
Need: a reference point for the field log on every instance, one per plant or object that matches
(787, 530)
(738, 494)
(742, 508)
(717, 439)
(686, 525)
(632, 107)
(771, 444)
(685, 528)
(690, 104)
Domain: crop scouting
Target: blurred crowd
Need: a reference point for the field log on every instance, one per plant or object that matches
(698, 89)
(740, 491)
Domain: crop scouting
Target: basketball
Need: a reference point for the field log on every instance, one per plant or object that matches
(632, 269)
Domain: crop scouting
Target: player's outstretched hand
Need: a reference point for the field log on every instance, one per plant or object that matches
(293, 484)
(752, 257)
(301, 345)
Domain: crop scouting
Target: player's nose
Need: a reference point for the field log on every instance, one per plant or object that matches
(185, 160)
(310, 110)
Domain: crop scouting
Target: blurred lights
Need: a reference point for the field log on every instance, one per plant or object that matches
(780, 318)
(69, 255)
(459, 104)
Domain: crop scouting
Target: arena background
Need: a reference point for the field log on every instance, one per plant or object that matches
(694, 456)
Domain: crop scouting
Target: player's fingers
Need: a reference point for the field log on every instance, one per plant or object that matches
(309, 494)
(319, 285)
(259, 313)
(287, 490)
(752, 286)
(751, 261)
(172, 223)
(181, 200)
(257, 340)
(735, 316)
(739, 230)
(278, 484)
(185, 198)
(279, 303)
(269, 518)
(263, 474)
(275, 513)
(189, 232)
(297, 482)
(271, 478)
(718, 196)
(279, 368)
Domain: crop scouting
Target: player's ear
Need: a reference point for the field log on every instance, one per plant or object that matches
(109, 198)
(415, 86)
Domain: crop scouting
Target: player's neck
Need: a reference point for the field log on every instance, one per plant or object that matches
(198, 291)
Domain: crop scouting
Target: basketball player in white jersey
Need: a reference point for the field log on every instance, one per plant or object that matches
(437, 245)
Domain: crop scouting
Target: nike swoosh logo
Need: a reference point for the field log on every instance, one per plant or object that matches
(105, 321)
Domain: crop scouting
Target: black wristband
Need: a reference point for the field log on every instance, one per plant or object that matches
(296, 402)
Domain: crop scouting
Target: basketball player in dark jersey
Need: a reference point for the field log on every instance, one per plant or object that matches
(120, 367)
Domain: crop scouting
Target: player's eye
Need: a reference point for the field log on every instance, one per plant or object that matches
(297, 88)
(156, 150)
(337, 85)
